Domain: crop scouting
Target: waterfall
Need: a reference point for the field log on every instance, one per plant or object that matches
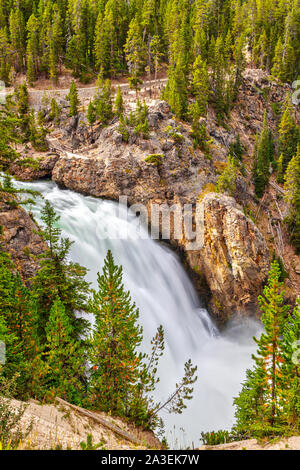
(165, 296)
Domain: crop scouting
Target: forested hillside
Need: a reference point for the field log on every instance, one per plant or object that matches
(118, 36)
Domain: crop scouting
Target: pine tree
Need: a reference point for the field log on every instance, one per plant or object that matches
(64, 356)
(32, 52)
(292, 198)
(280, 172)
(291, 369)
(19, 316)
(227, 180)
(36, 135)
(119, 104)
(113, 346)
(8, 135)
(91, 113)
(288, 134)
(201, 85)
(219, 78)
(259, 405)
(54, 111)
(103, 102)
(5, 56)
(58, 277)
(101, 47)
(156, 54)
(22, 320)
(73, 99)
(55, 46)
(140, 120)
(236, 148)
(135, 55)
(176, 89)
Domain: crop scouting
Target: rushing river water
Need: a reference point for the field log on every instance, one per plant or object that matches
(165, 295)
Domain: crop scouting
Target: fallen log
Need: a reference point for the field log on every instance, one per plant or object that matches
(112, 427)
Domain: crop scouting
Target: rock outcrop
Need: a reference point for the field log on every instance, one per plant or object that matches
(20, 238)
(234, 259)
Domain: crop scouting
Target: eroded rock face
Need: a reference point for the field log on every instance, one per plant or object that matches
(30, 173)
(234, 259)
(20, 239)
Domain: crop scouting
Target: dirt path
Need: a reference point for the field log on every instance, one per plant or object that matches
(291, 443)
(36, 96)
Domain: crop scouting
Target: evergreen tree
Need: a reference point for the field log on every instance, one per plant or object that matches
(227, 180)
(176, 89)
(113, 347)
(280, 172)
(292, 198)
(135, 54)
(65, 357)
(22, 109)
(291, 369)
(58, 277)
(119, 104)
(103, 102)
(200, 85)
(236, 148)
(101, 47)
(19, 317)
(55, 46)
(91, 113)
(54, 111)
(73, 99)
(288, 134)
(5, 60)
(8, 125)
(259, 405)
(32, 52)
(156, 54)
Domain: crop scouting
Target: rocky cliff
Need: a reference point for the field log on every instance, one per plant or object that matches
(19, 237)
(234, 259)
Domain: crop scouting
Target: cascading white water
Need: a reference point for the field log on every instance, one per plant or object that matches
(165, 296)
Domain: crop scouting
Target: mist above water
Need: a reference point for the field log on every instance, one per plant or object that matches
(165, 296)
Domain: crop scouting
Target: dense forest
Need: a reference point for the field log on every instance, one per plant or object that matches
(204, 47)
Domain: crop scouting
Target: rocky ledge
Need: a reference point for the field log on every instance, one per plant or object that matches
(20, 237)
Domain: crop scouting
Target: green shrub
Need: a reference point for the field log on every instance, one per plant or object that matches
(154, 158)
(215, 438)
